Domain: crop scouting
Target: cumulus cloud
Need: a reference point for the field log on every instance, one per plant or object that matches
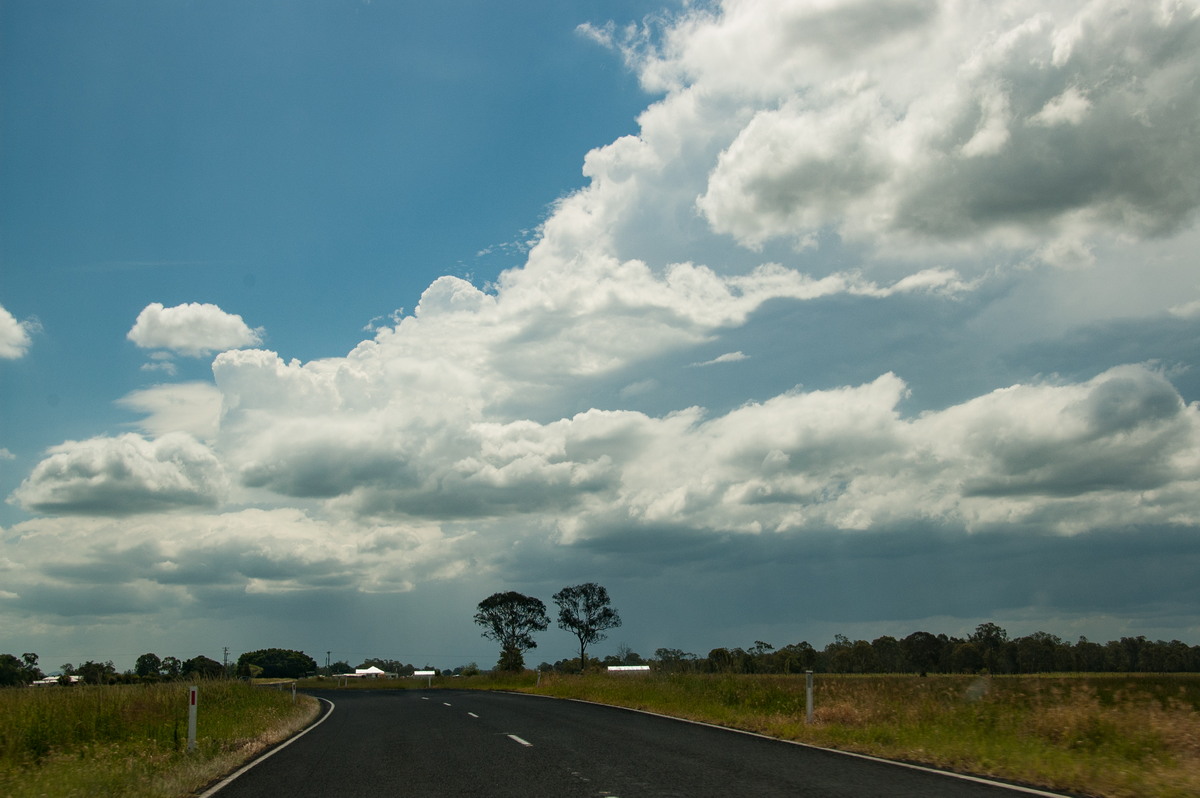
(15, 335)
(805, 460)
(193, 407)
(192, 329)
(800, 158)
(124, 475)
(98, 566)
(910, 124)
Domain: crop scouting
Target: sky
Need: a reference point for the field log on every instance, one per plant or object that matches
(322, 321)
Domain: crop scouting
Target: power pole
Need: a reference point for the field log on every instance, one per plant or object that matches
(226, 660)
(327, 653)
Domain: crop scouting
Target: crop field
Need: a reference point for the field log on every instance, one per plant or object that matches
(131, 740)
(1103, 735)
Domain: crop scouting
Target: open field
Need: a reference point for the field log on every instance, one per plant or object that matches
(131, 740)
(1103, 735)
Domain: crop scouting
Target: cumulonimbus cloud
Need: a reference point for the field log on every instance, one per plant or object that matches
(1022, 127)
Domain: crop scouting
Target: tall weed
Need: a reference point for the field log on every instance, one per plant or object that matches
(1107, 735)
(131, 740)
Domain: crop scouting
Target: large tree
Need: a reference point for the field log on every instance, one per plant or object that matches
(511, 619)
(277, 663)
(202, 667)
(584, 611)
(148, 665)
(15, 671)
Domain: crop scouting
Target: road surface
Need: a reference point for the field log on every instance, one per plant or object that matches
(467, 743)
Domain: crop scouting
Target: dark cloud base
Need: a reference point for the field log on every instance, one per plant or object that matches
(1138, 574)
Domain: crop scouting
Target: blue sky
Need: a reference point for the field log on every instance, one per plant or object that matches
(324, 320)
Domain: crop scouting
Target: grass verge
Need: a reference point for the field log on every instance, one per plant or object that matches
(1117, 736)
(131, 740)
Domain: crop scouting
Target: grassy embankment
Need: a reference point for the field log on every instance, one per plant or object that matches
(1105, 735)
(131, 741)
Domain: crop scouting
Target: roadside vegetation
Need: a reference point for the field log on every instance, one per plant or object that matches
(1119, 735)
(131, 740)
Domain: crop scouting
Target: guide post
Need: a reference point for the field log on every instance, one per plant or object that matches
(191, 745)
(808, 697)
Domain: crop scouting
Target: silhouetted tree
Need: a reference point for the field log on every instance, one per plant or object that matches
(584, 611)
(511, 619)
(147, 665)
(203, 667)
(276, 663)
(14, 672)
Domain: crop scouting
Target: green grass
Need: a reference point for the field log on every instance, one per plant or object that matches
(1104, 735)
(131, 740)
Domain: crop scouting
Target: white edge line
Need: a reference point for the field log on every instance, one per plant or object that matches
(856, 755)
(514, 737)
(226, 781)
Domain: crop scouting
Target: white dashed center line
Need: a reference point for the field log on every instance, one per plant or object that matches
(472, 714)
(519, 740)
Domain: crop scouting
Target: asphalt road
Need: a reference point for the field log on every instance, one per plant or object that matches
(467, 743)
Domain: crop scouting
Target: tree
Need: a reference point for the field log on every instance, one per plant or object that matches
(31, 665)
(584, 611)
(511, 619)
(21, 671)
(674, 659)
(203, 667)
(171, 667)
(922, 651)
(277, 663)
(147, 665)
(97, 672)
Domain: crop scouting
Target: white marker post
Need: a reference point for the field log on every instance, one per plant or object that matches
(808, 696)
(192, 718)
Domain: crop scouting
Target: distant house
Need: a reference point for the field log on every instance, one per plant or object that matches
(51, 681)
(369, 673)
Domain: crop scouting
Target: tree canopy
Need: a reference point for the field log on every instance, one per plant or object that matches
(584, 611)
(277, 663)
(14, 671)
(510, 619)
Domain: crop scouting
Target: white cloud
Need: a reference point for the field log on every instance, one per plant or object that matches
(124, 475)
(192, 329)
(1187, 310)
(728, 357)
(15, 335)
(905, 125)
(193, 407)
(107, 567)
(802, 158)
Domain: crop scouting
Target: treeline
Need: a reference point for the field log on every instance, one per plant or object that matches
(149, 668)
(989, 649)
(25, 670)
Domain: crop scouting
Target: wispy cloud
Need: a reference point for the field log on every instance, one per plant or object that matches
(728, 357)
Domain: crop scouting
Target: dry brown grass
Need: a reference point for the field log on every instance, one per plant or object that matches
(1118, 736)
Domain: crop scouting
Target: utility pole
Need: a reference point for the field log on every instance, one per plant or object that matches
(226, 660)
